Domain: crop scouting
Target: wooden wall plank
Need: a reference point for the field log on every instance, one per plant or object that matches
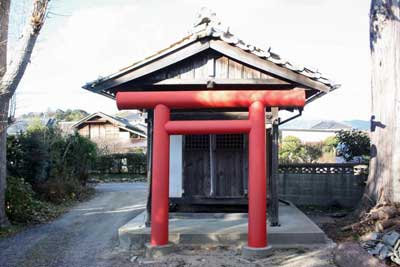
(200, 67)
(265, 76)
(235, 70)
(250, 73)
(221, 68)
(187, 71)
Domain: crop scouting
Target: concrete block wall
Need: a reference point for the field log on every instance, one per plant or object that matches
(321, 189)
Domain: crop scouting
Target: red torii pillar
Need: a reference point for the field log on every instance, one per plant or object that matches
(256, 101)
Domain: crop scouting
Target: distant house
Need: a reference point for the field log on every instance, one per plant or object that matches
(20, 125)
(113, 134)
(17, 127)
(133, 116)
(316, 131)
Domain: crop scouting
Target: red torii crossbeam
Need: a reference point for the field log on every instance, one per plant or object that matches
(256, 101)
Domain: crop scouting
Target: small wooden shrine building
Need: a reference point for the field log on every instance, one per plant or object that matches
(213, 168)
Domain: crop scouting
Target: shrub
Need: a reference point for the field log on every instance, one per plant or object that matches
(73, 159)
(330, 144)
(56, 191)
(313, 151)
(21, 204)
(353, 144)
(28, 156)
(56, 166)
(292, 150)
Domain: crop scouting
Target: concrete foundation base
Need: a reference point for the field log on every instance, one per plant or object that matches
(256, 253)
(158, 251)
(296, 230)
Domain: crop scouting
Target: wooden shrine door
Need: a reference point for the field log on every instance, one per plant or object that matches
(215, 166)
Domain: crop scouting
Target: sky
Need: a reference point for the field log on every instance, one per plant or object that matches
(84, 39)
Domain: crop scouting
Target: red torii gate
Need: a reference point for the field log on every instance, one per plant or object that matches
(255, 101)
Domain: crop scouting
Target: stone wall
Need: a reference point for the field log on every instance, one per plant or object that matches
(322, 187)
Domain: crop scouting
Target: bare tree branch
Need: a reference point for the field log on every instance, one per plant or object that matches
(16, 68)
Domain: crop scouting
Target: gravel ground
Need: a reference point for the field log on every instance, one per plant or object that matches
(228, 256)
(87, 236)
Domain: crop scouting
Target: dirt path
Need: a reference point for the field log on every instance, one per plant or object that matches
(85, 236)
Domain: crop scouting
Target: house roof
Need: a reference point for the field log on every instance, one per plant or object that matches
(120, 122)
(66, 126)
(214, 35)
(315, 125)
(325, 125)
(132, 117)
(17, 127)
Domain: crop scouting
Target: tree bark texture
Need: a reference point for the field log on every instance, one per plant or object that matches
(383, 183)
(4, 19)
(3, 161)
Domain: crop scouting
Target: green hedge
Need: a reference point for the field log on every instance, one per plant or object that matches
(131, 163)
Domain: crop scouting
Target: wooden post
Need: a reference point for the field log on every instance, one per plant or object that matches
(274, 200)
(149, 155)
(213, 184)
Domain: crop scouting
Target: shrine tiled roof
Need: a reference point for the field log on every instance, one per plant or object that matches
(209, 27)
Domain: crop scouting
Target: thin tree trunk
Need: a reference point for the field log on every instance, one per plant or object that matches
(383, 183)
(4, 19)
(3, 162)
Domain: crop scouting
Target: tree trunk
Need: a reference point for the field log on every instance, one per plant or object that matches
(383, 183)
(4, 19)
(3, 162)
(11, 75)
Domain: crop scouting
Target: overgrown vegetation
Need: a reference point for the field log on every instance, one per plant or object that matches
(292, 150)
(353, 144)
(46, 168)
(22, 204)
(330, 144)
(350, 145)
